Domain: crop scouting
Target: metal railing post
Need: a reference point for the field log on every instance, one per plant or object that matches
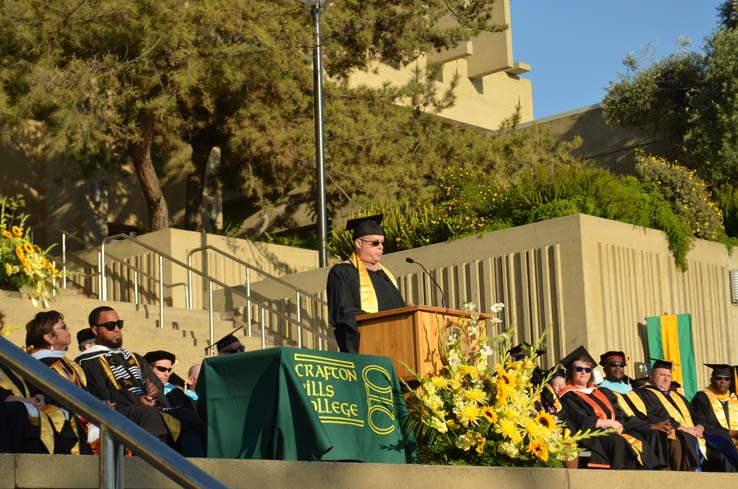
(107, 477)
(299, 320)
(210, 316)
(248, 300)
(104, 284)
(161, 291)
(99, 276)
(189, 281)
(263, 328)
(135, 287)
(64, 259)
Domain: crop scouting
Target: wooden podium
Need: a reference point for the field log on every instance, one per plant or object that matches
(408, 334)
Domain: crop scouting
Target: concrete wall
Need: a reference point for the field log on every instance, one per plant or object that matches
(489, 87)
(68, 471)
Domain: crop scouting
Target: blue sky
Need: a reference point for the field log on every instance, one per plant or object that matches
(575, 47)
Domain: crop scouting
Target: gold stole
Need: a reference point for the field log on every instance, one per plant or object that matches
(48, 418)
(369, 301)
(173, 424)
(681, 415)
(717, 408)
(635, 402)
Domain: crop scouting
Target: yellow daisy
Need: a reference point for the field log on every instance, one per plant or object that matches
(7, 234)
(476, 394)
(468, 413)
(17, 231)
(508, 429)
(28, 247)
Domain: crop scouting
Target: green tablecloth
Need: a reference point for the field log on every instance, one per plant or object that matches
(296, 404)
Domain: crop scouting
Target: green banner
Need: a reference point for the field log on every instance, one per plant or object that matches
(670, 338)
(296, 404)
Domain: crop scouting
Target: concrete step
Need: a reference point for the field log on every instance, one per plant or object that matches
(185, 333)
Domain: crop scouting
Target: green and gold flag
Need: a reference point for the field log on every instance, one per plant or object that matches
(670, 339)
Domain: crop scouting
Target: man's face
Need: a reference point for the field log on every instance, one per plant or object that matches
(661, 378)
(615, 369)
(162, 369)
(194, 374)
(370, 248)
(721, 383)
(105, 337)
(235, 347)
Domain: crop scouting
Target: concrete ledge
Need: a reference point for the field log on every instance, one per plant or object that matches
(67, 471)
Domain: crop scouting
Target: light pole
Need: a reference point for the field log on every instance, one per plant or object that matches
(316, 7)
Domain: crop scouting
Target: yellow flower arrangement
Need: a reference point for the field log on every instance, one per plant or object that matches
(24, 266)
(475, 412)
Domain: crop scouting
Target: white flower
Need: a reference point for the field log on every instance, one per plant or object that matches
(509, 449)
(486, 350)
(497, 307)
(472, 329)
(453, 359)
(494, 321)
(469, 307)
(453, 338)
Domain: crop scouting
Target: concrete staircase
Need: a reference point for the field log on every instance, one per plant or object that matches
(185, 332)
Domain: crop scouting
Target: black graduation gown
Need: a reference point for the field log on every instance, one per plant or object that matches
(722, 455)
(657, 413)
(126, 403)
(611, 450)
(17, 433)
(344, 301)
(191, 436)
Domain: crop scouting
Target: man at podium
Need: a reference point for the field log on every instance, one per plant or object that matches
(360, 284)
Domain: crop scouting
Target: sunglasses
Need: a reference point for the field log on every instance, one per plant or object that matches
(616, 364)
(584, 369)
(162, 369)
(233, 349)
(373, 243)
(721, 377)
(110, 325)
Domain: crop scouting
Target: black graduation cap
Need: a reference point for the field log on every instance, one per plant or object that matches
(720, 369)
(364, 226)
(657, 363)
(577, 354)
(524, 349)
(556, 371)
(84, 335)
(224, 341)
(605, 356)
(155, 356)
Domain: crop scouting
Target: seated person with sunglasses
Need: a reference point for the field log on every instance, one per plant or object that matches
(716, 408)
(360, 285)
(585, 407)
(126, 381)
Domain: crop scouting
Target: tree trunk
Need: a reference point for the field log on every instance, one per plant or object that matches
(195, 183)
(141, 151)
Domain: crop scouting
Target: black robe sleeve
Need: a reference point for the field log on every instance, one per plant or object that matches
(344, 301)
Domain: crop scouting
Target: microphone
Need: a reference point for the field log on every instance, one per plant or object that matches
(443, 295)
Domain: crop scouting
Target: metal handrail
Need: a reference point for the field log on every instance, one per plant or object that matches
(143, 444)
(263, 307)
(321, 336)
(249, 267)
(299, 293)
